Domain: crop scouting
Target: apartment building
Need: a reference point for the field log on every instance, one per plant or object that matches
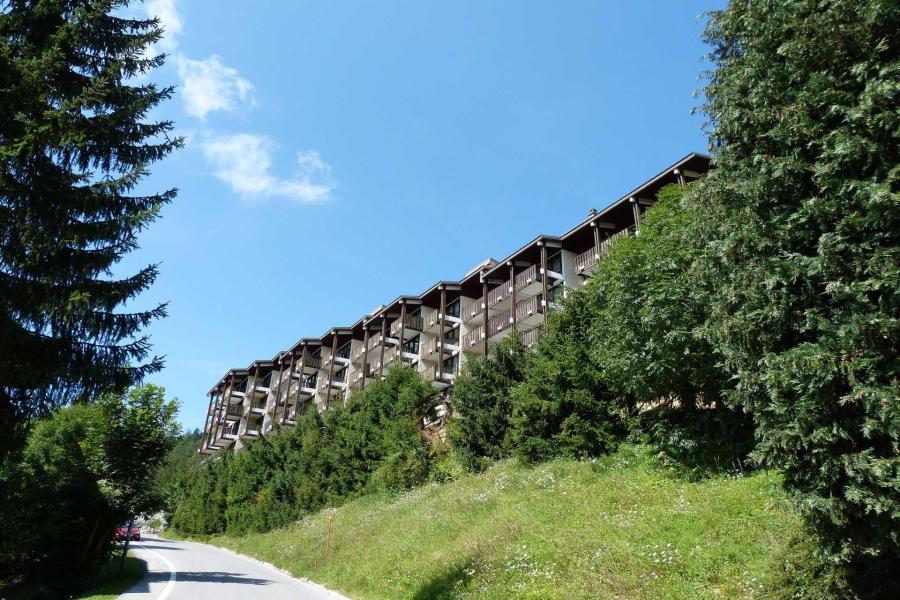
(435, 332)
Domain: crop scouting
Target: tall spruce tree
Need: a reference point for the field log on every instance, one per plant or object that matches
(803, 109)
(75, 141)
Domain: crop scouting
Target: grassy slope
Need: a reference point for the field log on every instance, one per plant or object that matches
(621, 527)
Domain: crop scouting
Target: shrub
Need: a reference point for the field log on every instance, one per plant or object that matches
(650, 303)
(371, 441)
(481, 425)
(563, 407)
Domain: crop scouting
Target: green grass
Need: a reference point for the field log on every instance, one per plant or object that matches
(112, 583)
(619, 527)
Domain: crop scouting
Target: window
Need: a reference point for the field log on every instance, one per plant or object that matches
(341, 376)
(310, 381)
(452, 336)
(453, 309)
(451, 364)
(411, 346)
(554, 263)
(344, 351)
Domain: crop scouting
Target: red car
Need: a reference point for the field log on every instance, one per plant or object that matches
(122, 532)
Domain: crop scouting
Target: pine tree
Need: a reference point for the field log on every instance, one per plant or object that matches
(75, 141)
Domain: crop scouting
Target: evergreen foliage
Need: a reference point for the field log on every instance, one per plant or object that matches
(563, 407)
(82, 472)
(371, 443)
(74, 144)
(803, 114)
(649, 303)
(482, 408)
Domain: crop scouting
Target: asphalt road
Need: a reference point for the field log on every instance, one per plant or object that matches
(187, 570)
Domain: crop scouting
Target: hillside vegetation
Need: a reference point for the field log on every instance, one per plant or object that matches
(619, 526)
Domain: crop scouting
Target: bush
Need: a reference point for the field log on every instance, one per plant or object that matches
(481, 426)
(373, 441)
(563, 407)
(650, 303)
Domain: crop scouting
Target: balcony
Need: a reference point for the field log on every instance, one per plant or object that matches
(234, 412)
(410, 324)
(499, 294)
(431, 349)
(390, 355)
(529, 311)
(442, 379)
(237, 392)
(473, 309)
(529, 280)
(313, 363)
(341, 358)
(473, 339)
(530, 337)
(434, 318)
(258, 408)
(226, 436)
(608, 243)
(499, 323)
(586, 260)
(252, 432)
(307, 387)
(339, 383)
(359, 352)
(356, 381)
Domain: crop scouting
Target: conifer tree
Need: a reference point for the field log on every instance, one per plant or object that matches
(75, 142)
(803, 109)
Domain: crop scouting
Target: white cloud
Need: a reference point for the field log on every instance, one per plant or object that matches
(167, 12)
(208, 85)
(244, 162)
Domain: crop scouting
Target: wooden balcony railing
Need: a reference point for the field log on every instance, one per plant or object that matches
(472, 338)
(433, 318)
(499, 323)
(529, 307)
(390, 355)
(606, 244)
(408, 322)
(527, 277)
(234, 410)
(498, 294)
(530, 337)
(586, 259)
(312, 362)
(429, 347)
(439, 374)
(472, 309)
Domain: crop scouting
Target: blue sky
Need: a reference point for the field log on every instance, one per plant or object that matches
(340, 154)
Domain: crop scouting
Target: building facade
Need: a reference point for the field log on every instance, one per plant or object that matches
(435, 332)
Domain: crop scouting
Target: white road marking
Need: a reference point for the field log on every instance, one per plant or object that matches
(172, 572)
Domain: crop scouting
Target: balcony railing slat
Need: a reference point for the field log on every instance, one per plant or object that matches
(527, 277)
(498, 294)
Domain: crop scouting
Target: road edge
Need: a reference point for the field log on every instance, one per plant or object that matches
(270, 566)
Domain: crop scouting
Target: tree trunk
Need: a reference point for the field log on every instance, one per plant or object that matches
(127, 541)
